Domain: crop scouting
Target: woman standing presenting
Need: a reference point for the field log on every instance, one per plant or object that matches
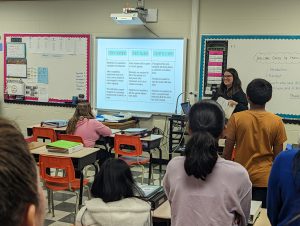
(231, 89)
(202, 187)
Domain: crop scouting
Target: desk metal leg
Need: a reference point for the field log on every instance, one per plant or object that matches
(150, 167)
(80, 189)
(160, 159)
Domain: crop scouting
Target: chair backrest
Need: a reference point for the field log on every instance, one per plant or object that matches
(29, 139)
(132, 141)
(44, 132)
(57, 162)
(70, 137)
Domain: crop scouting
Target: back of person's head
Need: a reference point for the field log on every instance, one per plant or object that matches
(206, 123)
(83, 110)
(19, 194)
(114, 181)
(259, 91)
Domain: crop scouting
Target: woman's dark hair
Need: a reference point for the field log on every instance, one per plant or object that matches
(206, 123)
(114, 181)
(236, 84)
(18, 175)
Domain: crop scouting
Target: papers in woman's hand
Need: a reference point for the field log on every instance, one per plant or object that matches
(226, 107)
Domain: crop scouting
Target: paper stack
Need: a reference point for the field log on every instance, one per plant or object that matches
(228, 110)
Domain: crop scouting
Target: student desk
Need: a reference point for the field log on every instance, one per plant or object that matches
(112, 125)
(164, 212)
(80, 159)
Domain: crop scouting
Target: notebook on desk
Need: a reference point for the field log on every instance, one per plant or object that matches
(154, 194)
(141, 132)
(254, 211)
(111, 118)
(54, 123)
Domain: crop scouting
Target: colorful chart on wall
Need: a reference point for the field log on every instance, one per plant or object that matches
(275, 58)
(46, 69)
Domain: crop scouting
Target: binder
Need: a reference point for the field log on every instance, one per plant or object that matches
(154, 194)
(141, 132)
(64, 146)
(54, 123)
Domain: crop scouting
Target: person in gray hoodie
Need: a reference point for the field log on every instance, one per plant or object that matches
(113, 201)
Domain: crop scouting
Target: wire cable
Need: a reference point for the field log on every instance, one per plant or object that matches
(151, 31)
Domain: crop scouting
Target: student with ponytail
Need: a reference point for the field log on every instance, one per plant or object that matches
(202, 187)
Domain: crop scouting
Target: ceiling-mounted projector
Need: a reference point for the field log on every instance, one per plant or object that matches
(129, 18)
(135, 16)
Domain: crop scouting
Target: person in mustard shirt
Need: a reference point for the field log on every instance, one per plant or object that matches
(258, 137)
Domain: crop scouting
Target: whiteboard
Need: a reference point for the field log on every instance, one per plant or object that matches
(57, 67)
(271, 57)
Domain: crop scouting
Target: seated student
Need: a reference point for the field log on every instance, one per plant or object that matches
(21, 197)
(283, 199)
(114, 203)
(258, 135)
(202, 187)
(231, 89)
(84, 124)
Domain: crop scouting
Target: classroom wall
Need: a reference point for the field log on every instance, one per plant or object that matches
(83, 16)
(252, 17)
(176, 18)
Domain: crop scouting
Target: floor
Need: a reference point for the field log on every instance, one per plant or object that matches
(65, 201)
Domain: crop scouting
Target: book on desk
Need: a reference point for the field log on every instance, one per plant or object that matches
(141, 132)
(54, 123)
(64, 146)
(154, 194)
(112, 118)
(254, 211)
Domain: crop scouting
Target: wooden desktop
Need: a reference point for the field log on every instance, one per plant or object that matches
(112, 125)
(164, 212)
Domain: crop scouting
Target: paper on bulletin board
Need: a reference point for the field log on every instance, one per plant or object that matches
(31, 75)
(43, 75)
(43, 93)
(31, 89)
(15, 88)
(15, 50)
(16, 70)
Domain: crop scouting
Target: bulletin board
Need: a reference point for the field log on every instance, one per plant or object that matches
(275, 58)
(46, 69)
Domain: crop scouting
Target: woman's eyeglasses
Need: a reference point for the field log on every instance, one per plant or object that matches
(227, 76)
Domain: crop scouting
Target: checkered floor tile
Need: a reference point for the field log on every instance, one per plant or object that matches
(64, 202)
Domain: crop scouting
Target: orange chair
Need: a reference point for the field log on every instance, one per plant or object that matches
(29, 139)
(130, 150)
(43, 132)
(66, 182)
(70, 137)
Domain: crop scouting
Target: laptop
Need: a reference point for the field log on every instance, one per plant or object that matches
(186, 106)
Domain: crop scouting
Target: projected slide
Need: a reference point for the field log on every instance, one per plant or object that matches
(143, 75)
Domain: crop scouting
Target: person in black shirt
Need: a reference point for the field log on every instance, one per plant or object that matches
(231, 89)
